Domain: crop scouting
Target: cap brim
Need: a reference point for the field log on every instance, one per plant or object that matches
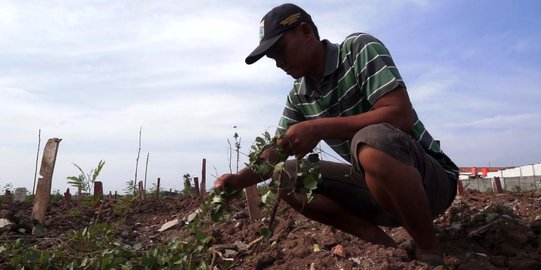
(263, 47)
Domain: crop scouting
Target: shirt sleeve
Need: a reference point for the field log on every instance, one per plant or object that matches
(374, 67)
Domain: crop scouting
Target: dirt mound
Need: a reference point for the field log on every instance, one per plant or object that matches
(479, 231)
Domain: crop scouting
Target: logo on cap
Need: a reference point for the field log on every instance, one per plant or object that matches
(291, 19)
(261, 30)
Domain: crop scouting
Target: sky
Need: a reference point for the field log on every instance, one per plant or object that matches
(93, 73)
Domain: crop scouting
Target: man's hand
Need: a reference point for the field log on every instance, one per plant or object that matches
(300, 138)
(228, 181)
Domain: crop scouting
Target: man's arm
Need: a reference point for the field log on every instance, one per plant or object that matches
(393, 108)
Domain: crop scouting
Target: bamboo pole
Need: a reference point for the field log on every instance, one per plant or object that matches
(137, 161)
(37, 159)
(146, 169)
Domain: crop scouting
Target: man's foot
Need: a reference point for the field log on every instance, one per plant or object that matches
(432, 257)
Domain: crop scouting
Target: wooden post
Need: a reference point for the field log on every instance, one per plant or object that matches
(460, 188)
(158, 190)
(98, 189)
(43, 192)
(8, 197)
(498, 185)
(67, 197)
(252, 199)
(203, 188)
(196, 186)
(141, 191)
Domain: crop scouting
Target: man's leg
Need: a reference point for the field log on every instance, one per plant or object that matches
(406, 182)
(327, 211)
(398, 188)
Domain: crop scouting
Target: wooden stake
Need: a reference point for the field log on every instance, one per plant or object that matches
(252, 198)
(196, 186)
(8, 197)
(146, 169)
(158, 190)
(460, 188)
(498, 185)
(98, 189)
(203, 188)
(67, 197)
(141, 191)
(43, 193)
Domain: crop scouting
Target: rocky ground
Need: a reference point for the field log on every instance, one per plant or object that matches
(479, 231)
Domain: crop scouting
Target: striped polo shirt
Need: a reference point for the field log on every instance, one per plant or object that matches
(357, 73)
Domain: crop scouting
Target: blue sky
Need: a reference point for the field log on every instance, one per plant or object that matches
(93, 72)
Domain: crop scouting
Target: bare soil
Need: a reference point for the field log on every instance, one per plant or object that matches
(479, 231)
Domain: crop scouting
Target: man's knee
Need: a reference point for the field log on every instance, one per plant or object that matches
(371, 142)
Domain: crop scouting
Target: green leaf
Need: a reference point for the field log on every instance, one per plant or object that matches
(279, 166)
(202, 237)
(310, 182)
(267, 136)
(217, 199)
(259, 141)
(266, 233)
(137, 246)
(268, 197)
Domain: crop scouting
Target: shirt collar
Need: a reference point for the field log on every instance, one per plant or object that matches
(331, 64)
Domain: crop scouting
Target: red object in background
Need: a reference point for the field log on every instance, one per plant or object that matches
(474, 171)
(485, 172)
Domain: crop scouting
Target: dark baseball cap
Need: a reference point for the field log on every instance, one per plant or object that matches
(274, 24)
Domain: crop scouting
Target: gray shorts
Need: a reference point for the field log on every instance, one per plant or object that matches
(346, 185)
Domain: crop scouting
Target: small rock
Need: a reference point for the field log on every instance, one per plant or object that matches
(338, 250)
(169, 225)
(5, 222)
(240, 215)
(192, 216)
(241, 245)
(228, 253)
(38, 230)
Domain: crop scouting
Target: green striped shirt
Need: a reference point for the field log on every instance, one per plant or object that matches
(357, 73)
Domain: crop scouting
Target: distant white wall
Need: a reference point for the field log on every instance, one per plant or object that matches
(522, 171)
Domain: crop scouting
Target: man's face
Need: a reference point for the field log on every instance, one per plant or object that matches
(288, 53)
